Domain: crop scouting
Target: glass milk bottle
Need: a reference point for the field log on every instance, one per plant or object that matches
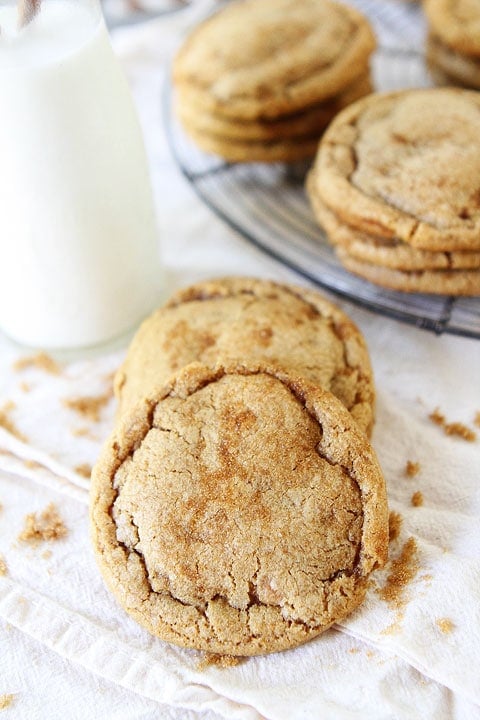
(78, 242)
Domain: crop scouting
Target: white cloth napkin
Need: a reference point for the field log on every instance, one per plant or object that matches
(66, 647)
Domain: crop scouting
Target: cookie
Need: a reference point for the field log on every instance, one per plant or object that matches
(251, 320)
(309, 122)
(388, 253)
(437, 282)
(449, 67)
(405, 166)
(456, 24)
(266, 95)
(238, 511)
(266, 58)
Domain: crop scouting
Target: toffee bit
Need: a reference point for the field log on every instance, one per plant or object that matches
(412, 468)
(48, 525)
(40, 361)
(417, 499)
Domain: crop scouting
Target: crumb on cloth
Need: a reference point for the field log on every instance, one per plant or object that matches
(8, 424)
(402, 571)
(40, 361)
(412, 468)
(221, 661)
(47, 525)
(417, 499)
(6, 700)
(476, 420)
(454, 428)
(89, 406)
(394, 525)
(3, 566)
(84, 469)
(446, 625)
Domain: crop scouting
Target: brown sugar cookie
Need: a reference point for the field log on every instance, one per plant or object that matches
(449, 67)
(456, 24)
(293, 55)
(437, 282)
(296, 125)
(238, 511)
(267, 94)
(252, 319)
(386, 252)
(406, 166)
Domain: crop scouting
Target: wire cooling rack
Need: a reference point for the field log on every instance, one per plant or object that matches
(266, 203)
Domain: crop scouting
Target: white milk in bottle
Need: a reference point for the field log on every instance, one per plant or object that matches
(78, 243)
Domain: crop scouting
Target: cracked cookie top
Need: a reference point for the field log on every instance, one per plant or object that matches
(406, 165)
(240, 511)
(263, 58)
(251, 319)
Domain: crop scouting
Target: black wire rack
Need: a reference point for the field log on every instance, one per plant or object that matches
(267, 204)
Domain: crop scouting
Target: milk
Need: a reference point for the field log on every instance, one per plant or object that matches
(78, 243)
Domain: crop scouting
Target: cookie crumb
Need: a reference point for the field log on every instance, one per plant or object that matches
(46, 526)
(83, 432)
(402, 571)
(32, 464)
(47, 554)
(476, 420)
(88, 407)
(446, 625)
(40, 361)
(394, 525)
(354, 650)
(455, 428)
(221, 661)
(25, 387)
(85, 470)
(7, 423)
(6, 700)
(437, 417)
(3, 566)
(412, 468)
(417, 499)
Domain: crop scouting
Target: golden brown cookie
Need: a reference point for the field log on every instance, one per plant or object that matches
(456, 23)
(386, 252)
(251, 320)
(449, 67)
(306, 123)
(437, 282)
(239, 511)
(406, 166)
(266, 58)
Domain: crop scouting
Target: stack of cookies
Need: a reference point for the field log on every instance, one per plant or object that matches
(396, 187)
(453, 43)
(238, 507)
(261, 79)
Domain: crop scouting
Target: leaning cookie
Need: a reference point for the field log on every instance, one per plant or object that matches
(238, 511)
(256, 320)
